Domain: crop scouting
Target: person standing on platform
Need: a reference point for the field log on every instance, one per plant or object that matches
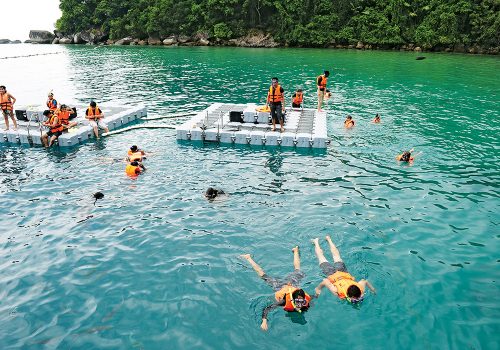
(7, 105)
(321, 83)
(51, 102)
(276, 102)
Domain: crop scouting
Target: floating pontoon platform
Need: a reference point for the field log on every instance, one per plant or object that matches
(30, 126)
(242, 124)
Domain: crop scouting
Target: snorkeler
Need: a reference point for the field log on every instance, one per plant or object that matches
(212, 193)
(338, 280)
(287, 293)
(405, 156)
(349, 122)
(376, 119)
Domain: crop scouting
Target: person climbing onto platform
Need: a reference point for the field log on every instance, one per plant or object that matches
(7, 105)
(95, 117)
(276, 102)
(338, 280)
(297, 99)
(55, 128)
(321, 82)
(51, 102)
(287, 291)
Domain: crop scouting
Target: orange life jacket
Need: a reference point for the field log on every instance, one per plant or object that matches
(275, 95)
(57, 127)
(92, 112)
(135, 156)
(5, 102)
(286, 293)
(63, 116)
(299, 97)
(322, 84)
(342, 281)
(52, 104)
(132, 170)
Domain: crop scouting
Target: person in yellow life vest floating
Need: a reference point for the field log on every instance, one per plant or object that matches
(339, 281)
(51, 102)
(55, 128)
(133, 169)
(64, 114)
(321, 82)
(135, 154)
(95, 117)
(297, 99)
(7, 105)
(287, 291)
(276, 103)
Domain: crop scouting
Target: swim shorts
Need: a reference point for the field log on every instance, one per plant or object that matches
(293, 279)
(329, 269)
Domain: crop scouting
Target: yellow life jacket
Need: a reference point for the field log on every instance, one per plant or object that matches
(342, 281)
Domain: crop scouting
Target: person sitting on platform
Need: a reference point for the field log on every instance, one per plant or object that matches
(55, 128)
(52, 102)
(63, 114)
(95, 117)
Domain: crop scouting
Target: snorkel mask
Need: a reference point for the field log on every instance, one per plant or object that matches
(299, 303)
(355, 300)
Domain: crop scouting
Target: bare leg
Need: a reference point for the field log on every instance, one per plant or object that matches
(52, 139)
(13, 119)
(45, 140)
(6, 120)
(319, 251)
(334, 250)
(96, 132)
(296, 258)
(255, 266)
(106, 130)
(321, 95)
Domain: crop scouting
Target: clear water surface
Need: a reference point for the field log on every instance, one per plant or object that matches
(155, 266)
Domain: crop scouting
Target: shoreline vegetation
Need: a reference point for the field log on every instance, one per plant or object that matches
(463, 26)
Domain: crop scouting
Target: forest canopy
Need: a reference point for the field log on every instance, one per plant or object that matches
(315, 23)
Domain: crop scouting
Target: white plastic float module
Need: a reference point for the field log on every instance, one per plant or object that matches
(242, 124)
(30, 129)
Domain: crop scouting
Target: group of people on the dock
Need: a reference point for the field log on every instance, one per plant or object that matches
(288, 293)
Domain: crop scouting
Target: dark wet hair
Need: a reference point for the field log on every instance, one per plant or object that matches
(93, 104)
(299, 90)
(349, 117)
(63, 106)
(3, 87)
(133, 148)
(46, 112)
(327, 73)
(135, 163)
(274, 78)
(405, 157)
(299, 293)
(354, 292)
(211, 193)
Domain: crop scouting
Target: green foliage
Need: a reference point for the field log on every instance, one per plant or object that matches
(427, 23)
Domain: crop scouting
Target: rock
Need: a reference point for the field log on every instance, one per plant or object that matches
(203, 42)
(350, 46)
(183, 39)
(27, 41)
(77, 39)
(55, 41)
(58, 34)
(473, 50)
(4, 41)
(66, 40)
(87, 36)
(360, 45)
(15, 42)
(459, 48)
(154, 41)
(418, 49)
(41, 36)
(171, 40)
(124, 41)
(255, 39)
(133, 43)
(142, 42)
(447, 49)
(411, 47)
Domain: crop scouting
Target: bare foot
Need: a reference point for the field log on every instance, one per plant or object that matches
(6, 129)
(273, 129)
(315, 240)
(282, 130)
(327, 237)
(295, 249)
(245, 256)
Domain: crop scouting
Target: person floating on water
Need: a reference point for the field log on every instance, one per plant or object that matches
(7, 105)
(55, 128)
(134, 168)
(135, 154)
(64, 114)
(348, 122)
(287, 291)
(321, 83)
(338, 280)
(276, 102)
(376, 119)
(212, 193)
(51, 102)
(95, 117)
(405, 156)
(297, 99)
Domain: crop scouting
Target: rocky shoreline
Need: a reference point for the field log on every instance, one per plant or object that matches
(253, 39)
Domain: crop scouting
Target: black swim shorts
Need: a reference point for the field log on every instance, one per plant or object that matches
(329, 269)
(293, 279)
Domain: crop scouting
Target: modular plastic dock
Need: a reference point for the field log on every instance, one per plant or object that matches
(30, 129)
(242, 124)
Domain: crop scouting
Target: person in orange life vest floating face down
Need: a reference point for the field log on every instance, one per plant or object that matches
(135, 154)
(287, 291)
(338, 280)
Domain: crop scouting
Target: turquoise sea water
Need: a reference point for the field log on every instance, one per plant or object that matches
(155, 266)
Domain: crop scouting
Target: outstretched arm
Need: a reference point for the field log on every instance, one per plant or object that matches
(325, 283)
(367, 284)
(266, 310)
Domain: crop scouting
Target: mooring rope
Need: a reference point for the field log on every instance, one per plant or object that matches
(36, 54)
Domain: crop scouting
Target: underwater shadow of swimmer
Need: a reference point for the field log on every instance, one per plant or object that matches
(296, 317)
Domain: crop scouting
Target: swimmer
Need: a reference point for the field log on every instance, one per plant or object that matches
(376, 119)
(134, 168)
(135, 154)
(405, 156)
(338, 280)
(212, 193)
(287, 293)
(349, 122)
